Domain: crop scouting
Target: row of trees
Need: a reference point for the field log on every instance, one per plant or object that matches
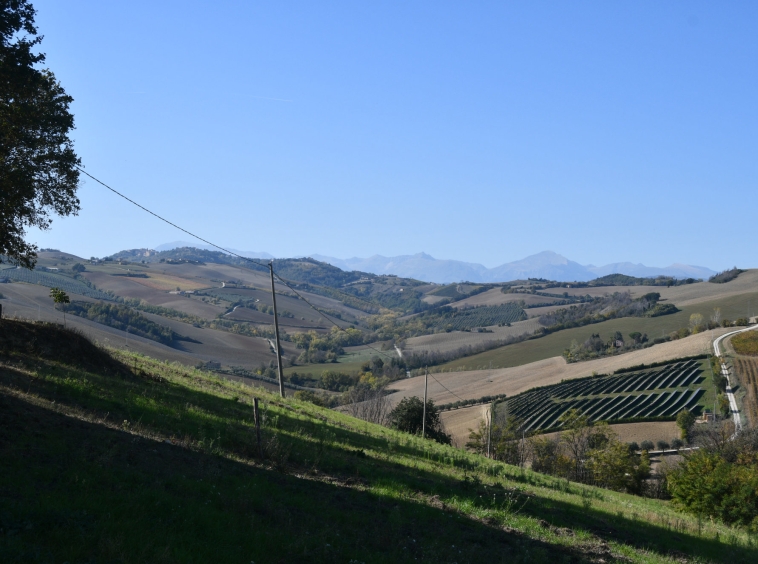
(595, 346)
(123, 318)
(618, 304)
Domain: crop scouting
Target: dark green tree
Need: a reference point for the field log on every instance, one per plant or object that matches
(38, 165)
(685, 419)
(409, 413)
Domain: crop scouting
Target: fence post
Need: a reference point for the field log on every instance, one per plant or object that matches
(257, 417)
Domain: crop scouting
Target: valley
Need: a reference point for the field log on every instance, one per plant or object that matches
(477, 340)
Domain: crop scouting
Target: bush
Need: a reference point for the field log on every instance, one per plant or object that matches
(720, 479)
(746, 343)
(408, 416)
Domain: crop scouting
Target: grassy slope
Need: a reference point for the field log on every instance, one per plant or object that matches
(126, 459)
(554, 344)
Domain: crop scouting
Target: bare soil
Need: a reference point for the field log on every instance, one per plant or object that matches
(601, 290)
(497, 297)
(444, 342)
(31, 301)
(746, 371)
(459, 422)
(705, 291)
(130, 288)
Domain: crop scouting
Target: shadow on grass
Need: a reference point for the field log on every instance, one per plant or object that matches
(78, 491)
(343, 456)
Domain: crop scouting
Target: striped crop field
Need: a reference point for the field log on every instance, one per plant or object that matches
(653, 394)
(746, 369)
(52, 280)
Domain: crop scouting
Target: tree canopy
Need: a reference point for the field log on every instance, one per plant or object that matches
(38, 165)
(408, 416)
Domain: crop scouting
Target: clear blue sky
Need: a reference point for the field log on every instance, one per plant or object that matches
(478, 131)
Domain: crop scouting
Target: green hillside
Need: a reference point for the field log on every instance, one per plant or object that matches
(112, 457)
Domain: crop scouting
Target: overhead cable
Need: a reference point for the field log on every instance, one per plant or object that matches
(190, 233)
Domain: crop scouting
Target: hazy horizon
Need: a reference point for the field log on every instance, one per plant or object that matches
(479, 132)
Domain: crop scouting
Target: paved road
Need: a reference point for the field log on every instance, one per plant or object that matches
(725, 373)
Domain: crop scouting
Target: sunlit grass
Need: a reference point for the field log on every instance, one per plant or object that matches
(166, 458)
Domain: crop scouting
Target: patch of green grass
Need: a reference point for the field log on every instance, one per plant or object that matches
(143, 461)
(348, 363)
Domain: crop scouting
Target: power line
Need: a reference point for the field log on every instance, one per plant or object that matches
(443, 385)
(169, 222)
(282, 280)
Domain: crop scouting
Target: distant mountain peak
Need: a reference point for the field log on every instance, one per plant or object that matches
(546, 264)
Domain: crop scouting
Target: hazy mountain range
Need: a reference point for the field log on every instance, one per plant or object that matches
(547, 264)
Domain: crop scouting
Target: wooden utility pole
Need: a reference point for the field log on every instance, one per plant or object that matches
(257, 417)
(276, 329)
(489, 432)
(423, 421)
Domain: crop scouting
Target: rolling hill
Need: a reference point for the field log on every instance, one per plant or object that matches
(130, 459)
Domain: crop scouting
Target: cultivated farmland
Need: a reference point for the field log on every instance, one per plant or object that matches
(555, 343)
(444, 342)
(746, 370)
(65, 283)
(484, 316)
(649, 394)
(495, 296)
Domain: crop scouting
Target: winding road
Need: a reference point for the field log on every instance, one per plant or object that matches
(725, 373)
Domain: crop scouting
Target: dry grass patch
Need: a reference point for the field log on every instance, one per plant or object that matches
(746, 343)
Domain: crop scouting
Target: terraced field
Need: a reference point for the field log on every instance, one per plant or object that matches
(650, 394)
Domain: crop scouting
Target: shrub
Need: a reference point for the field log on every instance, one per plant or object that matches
(746, 343)
(720, 479)
(408, 416)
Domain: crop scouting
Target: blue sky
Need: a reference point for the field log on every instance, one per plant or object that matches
(478, 131)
